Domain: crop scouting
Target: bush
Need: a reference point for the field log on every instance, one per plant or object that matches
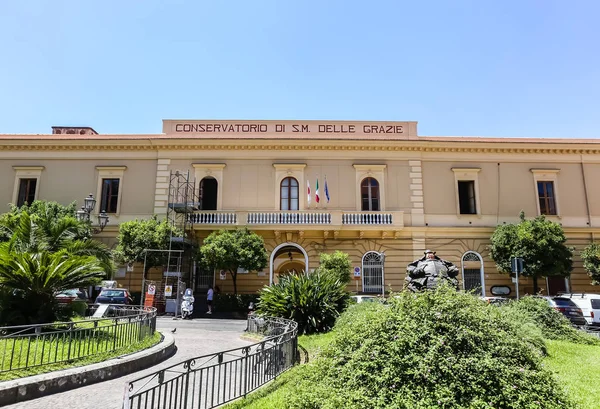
(234, 302)
(337, 264)
(314, 301)
(551, 322)
(437, 349)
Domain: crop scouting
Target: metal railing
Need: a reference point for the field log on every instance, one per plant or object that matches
(212, 380)
(28, 346)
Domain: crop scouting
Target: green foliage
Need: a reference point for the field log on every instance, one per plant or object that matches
(337, 264)
(437, 349)
(552, 323)
(32, 279)
(234, 302)
(136, 236)
(39, 209)
(541, 244)
(591, 262)
(52, 229)
(314, 301)
(231, 249)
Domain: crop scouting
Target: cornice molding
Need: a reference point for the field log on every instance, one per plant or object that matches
(367, 146)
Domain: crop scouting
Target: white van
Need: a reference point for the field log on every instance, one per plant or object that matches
(589, 304)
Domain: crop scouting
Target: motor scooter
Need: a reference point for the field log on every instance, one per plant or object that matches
(187, 305)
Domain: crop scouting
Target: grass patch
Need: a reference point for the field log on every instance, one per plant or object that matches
(276, 393)
(577, 367)
(84, 340)
(101, 355)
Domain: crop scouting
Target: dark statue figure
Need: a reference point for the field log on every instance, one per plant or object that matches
(430, 271)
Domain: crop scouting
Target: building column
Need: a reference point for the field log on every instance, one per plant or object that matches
(161, 189)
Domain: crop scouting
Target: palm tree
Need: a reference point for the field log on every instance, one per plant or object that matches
(45, 233)
(37, 277)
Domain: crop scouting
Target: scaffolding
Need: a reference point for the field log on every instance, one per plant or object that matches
(180, 266)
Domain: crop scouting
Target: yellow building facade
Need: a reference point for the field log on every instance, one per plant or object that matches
(385, 193)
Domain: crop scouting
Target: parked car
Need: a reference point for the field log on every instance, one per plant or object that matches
(589, 304)
(364, 298)
(567, 307)
(68, 296)
(114, 296)
(496, 300)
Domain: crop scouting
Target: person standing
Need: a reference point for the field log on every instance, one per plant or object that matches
(209, 299)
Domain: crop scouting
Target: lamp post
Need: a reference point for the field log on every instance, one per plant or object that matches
(83, 214)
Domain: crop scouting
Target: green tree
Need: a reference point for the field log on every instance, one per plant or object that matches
(591, 262)
(336, 264)
(45, 215)
(231, 249)
(34, 279)
(541, 244)
(52, 232)
(137, 236)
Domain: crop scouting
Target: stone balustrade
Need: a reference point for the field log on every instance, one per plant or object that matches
(393, 219)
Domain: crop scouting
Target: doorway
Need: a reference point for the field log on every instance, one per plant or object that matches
(207, 194)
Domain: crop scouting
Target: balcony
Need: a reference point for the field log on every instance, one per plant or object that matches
(309, 218)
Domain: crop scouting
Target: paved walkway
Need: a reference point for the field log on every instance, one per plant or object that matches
(192, 338)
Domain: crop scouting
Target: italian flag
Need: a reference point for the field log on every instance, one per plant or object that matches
(317, 192)
(308, 192)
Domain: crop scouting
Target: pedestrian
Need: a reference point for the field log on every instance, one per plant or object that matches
(209, 299)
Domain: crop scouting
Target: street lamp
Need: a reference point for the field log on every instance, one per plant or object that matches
(83, 214)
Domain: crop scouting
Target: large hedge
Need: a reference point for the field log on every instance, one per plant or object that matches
(438, 349)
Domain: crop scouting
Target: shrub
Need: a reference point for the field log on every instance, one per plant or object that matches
(551, 322)
(437, 349)
(234, 302)
(337, 264)
(314, 301)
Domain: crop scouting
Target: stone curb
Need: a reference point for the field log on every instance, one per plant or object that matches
(37, 386)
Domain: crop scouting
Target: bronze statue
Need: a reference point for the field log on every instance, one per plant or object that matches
(430, 271)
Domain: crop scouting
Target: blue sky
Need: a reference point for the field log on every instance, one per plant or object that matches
(481, 67)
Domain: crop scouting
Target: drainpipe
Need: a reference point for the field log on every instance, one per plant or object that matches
(585, 190)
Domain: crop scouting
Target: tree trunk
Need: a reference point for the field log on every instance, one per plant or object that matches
(234, 278)
(535, 285)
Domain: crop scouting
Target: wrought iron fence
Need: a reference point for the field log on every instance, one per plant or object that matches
(212, 380)
(28, 346)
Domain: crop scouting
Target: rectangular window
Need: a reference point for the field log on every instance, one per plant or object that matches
(26, 191)
(547, 197)
(110, 195)
(466, 197)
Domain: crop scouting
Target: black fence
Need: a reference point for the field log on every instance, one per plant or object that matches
(28, 346)
(212, 380)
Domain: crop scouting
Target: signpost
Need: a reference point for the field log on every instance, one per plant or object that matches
(149, 299)
(516, 264)
(357, 276)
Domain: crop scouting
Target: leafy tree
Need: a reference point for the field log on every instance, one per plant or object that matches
(336, 264)
(52, 232)
(137, 236)
(541, 244)
(34, 279)
(45, 215)
(591, 262)
(231, 249)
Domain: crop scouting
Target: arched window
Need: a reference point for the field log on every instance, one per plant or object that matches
(207, 195)
(289, 194)
(369, 194)
(372, 268)
(472, 269)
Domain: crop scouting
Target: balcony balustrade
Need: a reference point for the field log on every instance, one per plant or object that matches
(394, 219)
